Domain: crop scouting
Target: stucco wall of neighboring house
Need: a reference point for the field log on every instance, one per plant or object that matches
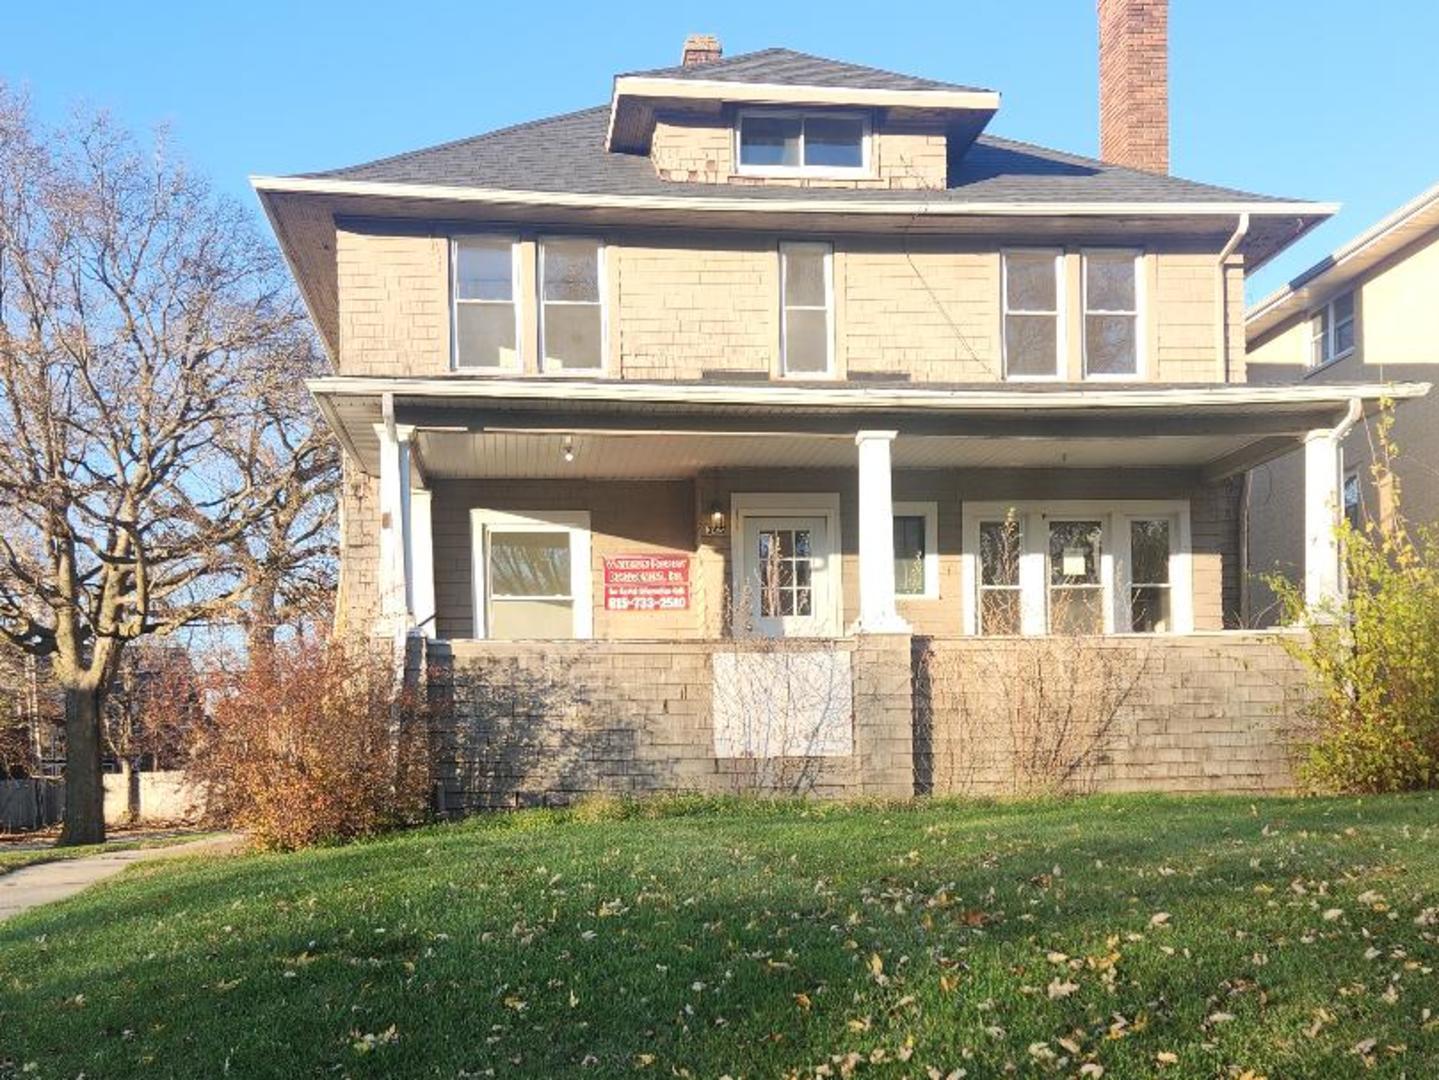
(683, 307)
(1396, 340)
(664, 516)
(907, 153)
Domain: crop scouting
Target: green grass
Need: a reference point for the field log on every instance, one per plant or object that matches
(1285, 937)
(15, 859)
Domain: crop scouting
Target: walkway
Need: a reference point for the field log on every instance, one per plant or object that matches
(44, 883)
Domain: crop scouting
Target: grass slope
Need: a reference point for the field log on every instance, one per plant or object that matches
(1137, 936)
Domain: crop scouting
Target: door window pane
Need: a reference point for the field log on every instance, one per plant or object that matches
(573, 325)
(834, 142)
(785, 567)
(1076, 596)
(1031, 313)
(770, 140)
(484, 302)
(1149, 598)
(909, 555)
(805, 295)
(1111, 313)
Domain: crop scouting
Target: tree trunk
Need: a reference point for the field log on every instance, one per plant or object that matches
(84, 782)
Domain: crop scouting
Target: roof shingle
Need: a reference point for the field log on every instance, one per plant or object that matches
(785, 67)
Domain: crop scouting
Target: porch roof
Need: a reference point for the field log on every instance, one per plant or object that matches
(468, 426)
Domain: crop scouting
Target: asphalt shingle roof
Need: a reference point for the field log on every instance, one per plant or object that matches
(566, 154)
(785, 67)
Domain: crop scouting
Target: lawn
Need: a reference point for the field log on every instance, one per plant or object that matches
(1122, 937)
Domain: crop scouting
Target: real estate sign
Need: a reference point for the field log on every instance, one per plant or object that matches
(644, 582)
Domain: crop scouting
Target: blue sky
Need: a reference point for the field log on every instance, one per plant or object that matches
(1317, 99)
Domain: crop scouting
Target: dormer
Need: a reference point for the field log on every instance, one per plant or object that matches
(783, 118)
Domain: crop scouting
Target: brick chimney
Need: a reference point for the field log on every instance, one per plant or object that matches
(701, 49)
(1134, 83)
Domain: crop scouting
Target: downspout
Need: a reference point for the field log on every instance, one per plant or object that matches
(1221, 294)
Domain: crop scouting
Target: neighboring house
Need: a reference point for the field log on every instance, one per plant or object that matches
(1367, 313)
(776, 346)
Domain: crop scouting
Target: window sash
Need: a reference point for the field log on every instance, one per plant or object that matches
(803, 168)
(1130, 313)
(551, 364)
(457, 359)
(1008, 309)
(486, 524)
(826, 252)
(1328, 326)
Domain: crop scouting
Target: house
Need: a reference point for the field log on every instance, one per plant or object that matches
(1365, 313)
(773, 348)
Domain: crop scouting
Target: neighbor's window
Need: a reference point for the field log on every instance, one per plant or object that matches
(916, 567)
(1149, 585)
(1353, 513)
(1031, 314)
(999, 589)
(1332, 331)
(1076, 593)
(572, 324)
(1111, 313)
(781, 142)
(531, 575)
(806, 337)
(486, 319)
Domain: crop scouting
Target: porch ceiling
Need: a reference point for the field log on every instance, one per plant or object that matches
(518, 428)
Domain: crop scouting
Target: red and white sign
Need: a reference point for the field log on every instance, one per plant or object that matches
(647, 582)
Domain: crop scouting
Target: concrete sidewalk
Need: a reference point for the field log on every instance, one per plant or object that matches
(44, 883)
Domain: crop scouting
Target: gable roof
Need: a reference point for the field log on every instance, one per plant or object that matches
(786, 67)
(566, 154)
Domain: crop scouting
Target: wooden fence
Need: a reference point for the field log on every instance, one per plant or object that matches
(31, 804)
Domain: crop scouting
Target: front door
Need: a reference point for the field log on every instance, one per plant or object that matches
(787, 573)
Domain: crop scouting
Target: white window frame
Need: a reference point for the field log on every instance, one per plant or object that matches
(1327, 336)
(1061, 349)
(456, 300)
(1033, 517)
(827, 249)
(574, 522)
(1138, 314)
(929, 512)
(847, 172)
(601, 280)
(1020, 586)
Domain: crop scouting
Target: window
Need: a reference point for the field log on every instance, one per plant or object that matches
(1032, 335)
(1332, 335)
(1111, 313)
(1076, 594)
(486, 321)
(999, 589)
(572, 324)
(1149, 588)
(1077, 567)
(916, 555)
(531, 574)
(779, 143)
(786, 561)
(806, 336)
(1353, 511)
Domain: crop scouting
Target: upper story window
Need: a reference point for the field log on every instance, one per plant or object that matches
(572, 310)
(486, 317)
(1111, 314)
(777, 143)
(1332, 331)
(1032, 326)
(806, 306)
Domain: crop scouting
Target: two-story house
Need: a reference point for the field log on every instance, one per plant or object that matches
(1367, 312)
(779, 346)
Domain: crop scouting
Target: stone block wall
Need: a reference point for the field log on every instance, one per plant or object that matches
(1203, 712)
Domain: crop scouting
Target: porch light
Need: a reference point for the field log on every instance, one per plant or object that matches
(714, 523)
(567, 449)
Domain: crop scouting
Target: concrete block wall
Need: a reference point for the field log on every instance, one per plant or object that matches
(1203, 712)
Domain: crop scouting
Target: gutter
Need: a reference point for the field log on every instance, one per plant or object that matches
(1221, 294)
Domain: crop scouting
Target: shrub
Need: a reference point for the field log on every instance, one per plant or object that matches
(1374, 720)
(312, 744)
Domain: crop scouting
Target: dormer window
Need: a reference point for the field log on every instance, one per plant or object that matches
(788, 143)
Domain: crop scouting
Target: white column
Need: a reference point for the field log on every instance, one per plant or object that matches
(422, 561)
(877, 611)
(396, 599)
(1322, 468)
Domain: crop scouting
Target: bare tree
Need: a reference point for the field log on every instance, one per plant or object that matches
(143, 326)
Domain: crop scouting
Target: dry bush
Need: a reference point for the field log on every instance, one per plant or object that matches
(312, 744)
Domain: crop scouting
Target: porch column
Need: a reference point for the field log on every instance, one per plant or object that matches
(1322, 469)
(395, 572)
(877, 612)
